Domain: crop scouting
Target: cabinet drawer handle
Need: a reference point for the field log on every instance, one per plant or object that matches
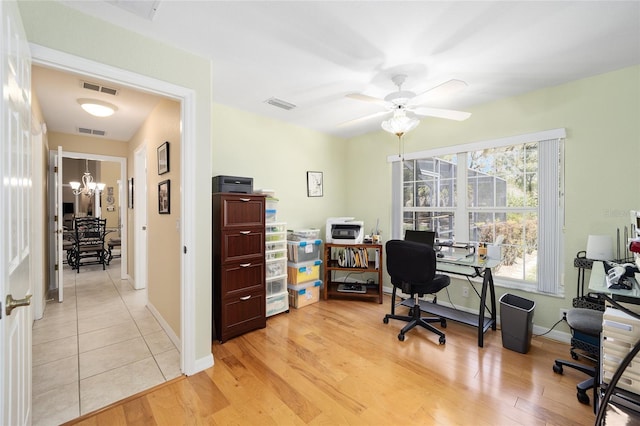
(246, 297)
(245, 232)
(245, 199)
(245, 265)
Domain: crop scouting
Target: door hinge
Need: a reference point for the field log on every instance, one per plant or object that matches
(55, 218)
(56, 267)
(55, 169)
(184, 249)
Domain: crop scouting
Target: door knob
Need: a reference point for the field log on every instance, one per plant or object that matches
(12, 303)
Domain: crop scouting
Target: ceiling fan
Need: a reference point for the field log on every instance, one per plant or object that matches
(402, 101)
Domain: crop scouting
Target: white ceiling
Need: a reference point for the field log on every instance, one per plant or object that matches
(313, 53)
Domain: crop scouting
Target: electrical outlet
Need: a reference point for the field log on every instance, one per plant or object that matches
(563, 313)
(465, 291)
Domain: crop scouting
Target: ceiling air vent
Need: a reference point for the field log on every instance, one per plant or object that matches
(99, 88)
(280, 103)
(91, 131)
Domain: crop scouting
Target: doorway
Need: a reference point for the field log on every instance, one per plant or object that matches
(186, 97)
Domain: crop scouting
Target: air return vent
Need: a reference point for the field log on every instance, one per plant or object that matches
(280, 103)
(91, 131)
(99, 88)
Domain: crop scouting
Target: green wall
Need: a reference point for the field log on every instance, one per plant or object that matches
(602, 151)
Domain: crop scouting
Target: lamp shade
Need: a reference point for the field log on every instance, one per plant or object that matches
(600, 247)
(399, 124)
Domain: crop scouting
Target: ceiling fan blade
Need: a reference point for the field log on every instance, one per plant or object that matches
(448, 88)
(361, 119)
(366, 98)
(442, 113)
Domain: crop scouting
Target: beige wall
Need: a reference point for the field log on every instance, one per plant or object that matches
(163, 233)
(109, 174)
(52, 25)
(88, 144)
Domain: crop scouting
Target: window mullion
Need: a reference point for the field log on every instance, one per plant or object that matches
(461, 230)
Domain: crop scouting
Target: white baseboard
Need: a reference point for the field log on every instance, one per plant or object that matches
(165, 326)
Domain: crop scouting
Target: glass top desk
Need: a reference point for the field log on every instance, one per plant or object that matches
(598, 284)
(470, 267)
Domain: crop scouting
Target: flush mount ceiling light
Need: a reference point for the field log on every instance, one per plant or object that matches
(97, 108)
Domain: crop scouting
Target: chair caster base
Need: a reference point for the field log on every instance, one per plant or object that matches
(582, 396)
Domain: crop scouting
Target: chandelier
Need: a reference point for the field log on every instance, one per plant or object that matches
(89, 187)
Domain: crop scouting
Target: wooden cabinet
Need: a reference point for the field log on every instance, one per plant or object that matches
(238, 264)
(332, 267)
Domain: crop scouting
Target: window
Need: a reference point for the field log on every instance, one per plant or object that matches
(507, 190)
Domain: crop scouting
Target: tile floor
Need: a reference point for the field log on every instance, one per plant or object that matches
(100, 345)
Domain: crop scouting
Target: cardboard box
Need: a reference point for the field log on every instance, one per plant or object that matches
(304, 294)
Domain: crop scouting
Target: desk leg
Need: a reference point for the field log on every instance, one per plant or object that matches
(487, 282)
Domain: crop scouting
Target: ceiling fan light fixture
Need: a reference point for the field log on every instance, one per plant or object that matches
(97, 108)
(399, 124)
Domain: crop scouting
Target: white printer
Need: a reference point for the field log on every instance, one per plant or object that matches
(344, 230)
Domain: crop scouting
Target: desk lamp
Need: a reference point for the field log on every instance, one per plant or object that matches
(600, 247)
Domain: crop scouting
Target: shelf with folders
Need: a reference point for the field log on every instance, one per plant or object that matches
(355, 257)
(340, 259)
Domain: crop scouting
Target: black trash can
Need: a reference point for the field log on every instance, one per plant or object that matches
(516, 319)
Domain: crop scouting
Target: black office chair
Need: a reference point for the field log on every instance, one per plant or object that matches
(585, 322)
(586, 327)
(412, 267)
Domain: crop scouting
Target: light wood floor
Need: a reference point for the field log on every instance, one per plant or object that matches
(336, 363)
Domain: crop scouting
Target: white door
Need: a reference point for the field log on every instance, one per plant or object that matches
(15, 226)
(59, 225)
(140, 217)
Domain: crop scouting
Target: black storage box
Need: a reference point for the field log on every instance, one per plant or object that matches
(242, 185)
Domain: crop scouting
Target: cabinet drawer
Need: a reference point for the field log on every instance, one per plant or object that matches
(243, 313)
(241, 277)
(243, 211)
(242, 245)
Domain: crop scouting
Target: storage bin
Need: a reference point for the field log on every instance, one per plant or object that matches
(304, 294)
(303, 234)
(516, 321)
(270, 215)
(276, 267)
(276, 227)
(275, 254)
(276, 285)
(303, 251)
(302, 272)
(271, 203)
(276, 245)
(277, 303)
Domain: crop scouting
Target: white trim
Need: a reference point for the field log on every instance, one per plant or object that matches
(74, 64)
(490, 143)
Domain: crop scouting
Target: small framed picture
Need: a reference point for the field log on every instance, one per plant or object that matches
(130, 193)
(163, 158)
(164, 197)
(314, 184)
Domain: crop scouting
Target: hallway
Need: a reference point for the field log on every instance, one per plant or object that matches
(100, 345)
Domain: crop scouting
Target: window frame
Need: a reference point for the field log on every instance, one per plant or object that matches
(550, 205)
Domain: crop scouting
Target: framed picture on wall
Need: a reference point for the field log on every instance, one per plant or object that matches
(130, 193)
(314, 184)
(164, 197)
(163, 158)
